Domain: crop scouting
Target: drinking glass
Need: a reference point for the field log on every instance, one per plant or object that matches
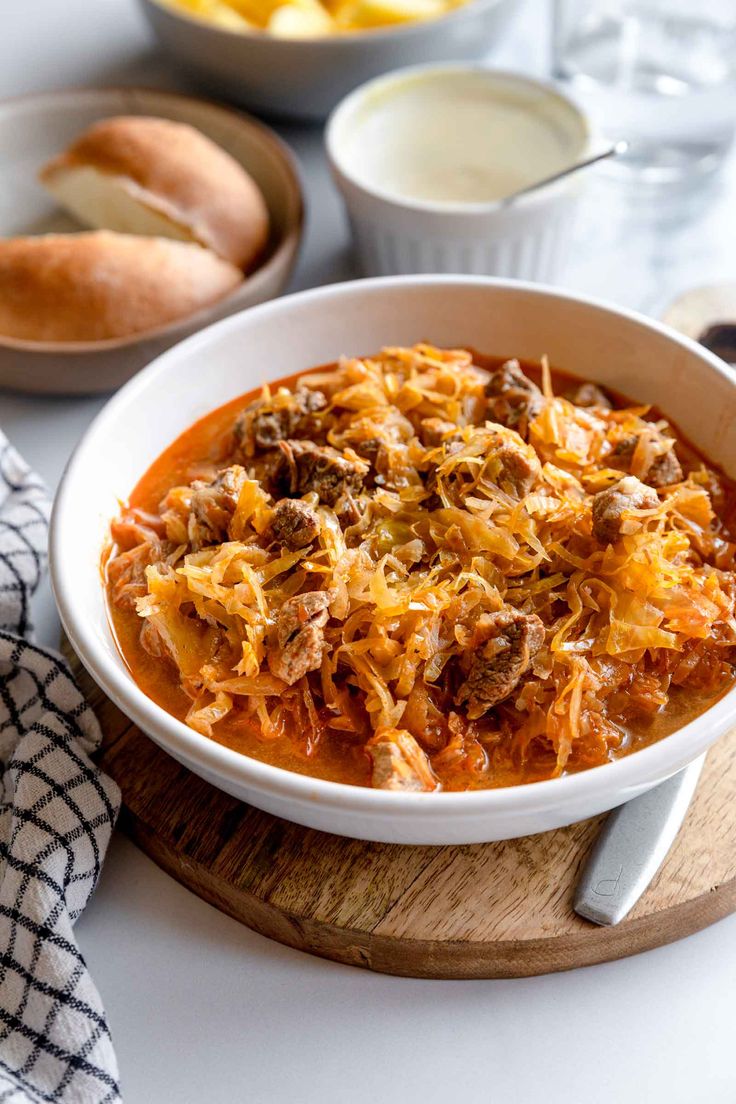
(659, 73)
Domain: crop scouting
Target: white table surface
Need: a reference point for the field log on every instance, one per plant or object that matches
(203, 1010)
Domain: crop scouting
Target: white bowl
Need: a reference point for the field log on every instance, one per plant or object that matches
(305, 78)
(35, 128)
(394, 234)
(641, 358)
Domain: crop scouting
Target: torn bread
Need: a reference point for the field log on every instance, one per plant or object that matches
(142, 175)
(97, 286)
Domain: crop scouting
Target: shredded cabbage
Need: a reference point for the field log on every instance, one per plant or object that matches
(475, 524)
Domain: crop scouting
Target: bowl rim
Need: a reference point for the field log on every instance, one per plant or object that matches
(326, 41)
(646, 766)
(449, 208)
(286, 249)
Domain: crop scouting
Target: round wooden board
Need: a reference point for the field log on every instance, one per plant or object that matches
(481, 911)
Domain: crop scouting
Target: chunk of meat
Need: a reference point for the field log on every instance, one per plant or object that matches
(433, 431)
(126, 573)
(492, 455)
(513, 465)
(140, 541)
(301, 610)
(513, 399)
(136, 527)
(512, 639)
(665, 470)
(660, 471)
(299, 637)
(212, 506)
(399, 763)
(374, 432)
(590, 394)
(348, 510)
(611, 506)
(265, 422)
(304, 467)
(294, 523)
(377, 454)
(368, 448)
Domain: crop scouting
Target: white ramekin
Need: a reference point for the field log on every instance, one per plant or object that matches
(396, 235)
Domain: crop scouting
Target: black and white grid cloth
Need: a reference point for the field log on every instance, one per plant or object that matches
(56, 816)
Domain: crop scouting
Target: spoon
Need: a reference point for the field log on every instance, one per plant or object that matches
(613, 150)
(631, 847)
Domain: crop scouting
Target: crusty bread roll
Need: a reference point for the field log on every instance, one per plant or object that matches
(141, 175)
(98, 285)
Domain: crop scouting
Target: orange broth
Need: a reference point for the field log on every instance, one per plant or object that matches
(207, 442)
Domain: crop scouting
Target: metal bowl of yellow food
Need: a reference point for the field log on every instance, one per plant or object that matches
(298, 58)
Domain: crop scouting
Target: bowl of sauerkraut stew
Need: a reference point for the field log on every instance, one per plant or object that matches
(424, 560)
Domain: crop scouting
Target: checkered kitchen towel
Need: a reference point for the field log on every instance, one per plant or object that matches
(56, 815)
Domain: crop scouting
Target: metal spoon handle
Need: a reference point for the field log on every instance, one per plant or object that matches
(632, 846)
(613, 150)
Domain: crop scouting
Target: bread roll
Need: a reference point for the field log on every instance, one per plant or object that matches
(141, 175)
(96, 286)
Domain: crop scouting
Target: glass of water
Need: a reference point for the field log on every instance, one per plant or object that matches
(659, 73)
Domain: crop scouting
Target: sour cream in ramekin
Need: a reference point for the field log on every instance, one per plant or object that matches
(425, 157)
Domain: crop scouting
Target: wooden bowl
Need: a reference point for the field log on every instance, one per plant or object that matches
(34, 128)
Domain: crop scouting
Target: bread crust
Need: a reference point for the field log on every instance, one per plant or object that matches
(99, 285)
(178, 172)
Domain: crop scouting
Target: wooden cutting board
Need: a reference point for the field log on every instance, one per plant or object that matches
(480, 911)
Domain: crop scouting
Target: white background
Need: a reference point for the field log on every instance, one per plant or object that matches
(201, 1009)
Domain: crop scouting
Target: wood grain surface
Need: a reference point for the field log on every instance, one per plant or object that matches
(480, 911)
